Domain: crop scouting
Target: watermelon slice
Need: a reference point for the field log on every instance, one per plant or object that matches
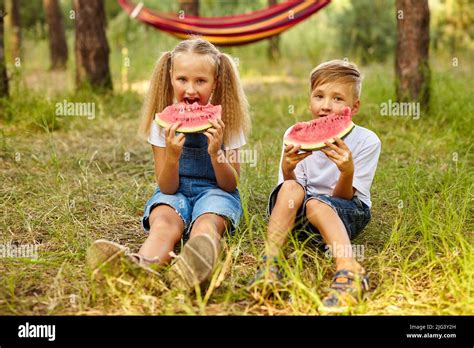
(194, 118)
(312, 135)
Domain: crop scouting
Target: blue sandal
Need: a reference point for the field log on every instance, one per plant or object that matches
(268, 271)
(347, 288)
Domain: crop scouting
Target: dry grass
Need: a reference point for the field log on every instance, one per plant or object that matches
(64, 188)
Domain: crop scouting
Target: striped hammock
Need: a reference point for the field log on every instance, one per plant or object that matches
(229, 30)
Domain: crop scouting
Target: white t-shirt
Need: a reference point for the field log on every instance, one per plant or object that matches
(157, 138)
(320, 175)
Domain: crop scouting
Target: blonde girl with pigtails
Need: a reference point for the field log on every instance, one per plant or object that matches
(196, 195)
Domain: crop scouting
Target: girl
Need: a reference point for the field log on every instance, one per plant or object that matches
(197, 191)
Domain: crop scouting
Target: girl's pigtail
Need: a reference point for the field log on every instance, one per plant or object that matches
(160, 93)
(230, 95)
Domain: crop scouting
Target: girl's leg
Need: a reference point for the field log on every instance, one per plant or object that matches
(197, 259)
(166, 229)
(210, 224)
(326, 220)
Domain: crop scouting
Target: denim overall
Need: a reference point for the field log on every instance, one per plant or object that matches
(198, 192)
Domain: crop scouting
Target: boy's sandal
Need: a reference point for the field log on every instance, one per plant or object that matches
(268, 272)
(347, 288)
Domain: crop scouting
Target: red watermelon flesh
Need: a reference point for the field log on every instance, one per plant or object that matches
(312, 135)
(194, 117)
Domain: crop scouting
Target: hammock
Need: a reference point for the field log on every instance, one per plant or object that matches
(229, 30)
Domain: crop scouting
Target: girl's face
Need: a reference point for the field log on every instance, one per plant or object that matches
(330, 98)
(193, 78)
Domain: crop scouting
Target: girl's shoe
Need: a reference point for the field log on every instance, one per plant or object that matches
(106, 257)
(195, 263)
(103, 255)
(151, 265)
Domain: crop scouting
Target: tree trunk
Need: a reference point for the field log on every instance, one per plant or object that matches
(273, 42)
(91, 47)
(411, 57)
(190, 7)
(57, 36)
(13, 15)
(3, 69)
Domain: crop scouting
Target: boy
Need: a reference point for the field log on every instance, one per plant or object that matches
(327, 188)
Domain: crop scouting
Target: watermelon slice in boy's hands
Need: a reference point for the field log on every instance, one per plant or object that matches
(194, 118)
(312, 135)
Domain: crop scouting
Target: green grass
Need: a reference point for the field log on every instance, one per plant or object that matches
(67, 181)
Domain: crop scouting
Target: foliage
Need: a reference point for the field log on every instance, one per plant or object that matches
(367, 30)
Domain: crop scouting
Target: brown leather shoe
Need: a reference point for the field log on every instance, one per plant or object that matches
(195, 263)
(103, 254)
(106, 257)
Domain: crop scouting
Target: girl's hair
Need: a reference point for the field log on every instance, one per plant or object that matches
(228, 92)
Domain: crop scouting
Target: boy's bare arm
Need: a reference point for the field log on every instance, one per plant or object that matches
(289, 176)
(341, 155)
(344, 187)
(291, 158)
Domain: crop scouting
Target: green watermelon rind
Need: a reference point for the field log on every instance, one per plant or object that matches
(187, 129)
(320, 145)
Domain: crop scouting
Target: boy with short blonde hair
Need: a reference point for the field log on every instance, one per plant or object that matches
(329, 189)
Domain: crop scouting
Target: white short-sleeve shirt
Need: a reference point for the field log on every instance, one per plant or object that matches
(157, 138)
(320, 175)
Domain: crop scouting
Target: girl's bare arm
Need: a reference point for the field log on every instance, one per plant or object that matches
(227, 173)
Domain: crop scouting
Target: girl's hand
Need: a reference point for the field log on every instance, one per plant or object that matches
(291, 158)
(174, 143)
(215, 136)
(340, 155)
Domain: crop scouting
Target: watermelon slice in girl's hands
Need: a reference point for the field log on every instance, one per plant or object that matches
(194, 118)
(312, 135)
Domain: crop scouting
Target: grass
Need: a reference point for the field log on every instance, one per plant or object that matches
(68, 181)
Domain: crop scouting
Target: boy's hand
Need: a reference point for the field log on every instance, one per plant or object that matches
(340, 154)
(174, 143)
(291, 158)
(215, 136)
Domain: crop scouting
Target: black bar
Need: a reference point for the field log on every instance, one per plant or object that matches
(140, 330)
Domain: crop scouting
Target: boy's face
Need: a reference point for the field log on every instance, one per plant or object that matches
(193, 78)
(330, 98)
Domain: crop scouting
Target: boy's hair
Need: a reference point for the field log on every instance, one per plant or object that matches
(228, 91)
(337, 70)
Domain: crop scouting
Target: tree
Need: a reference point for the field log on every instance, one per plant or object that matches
(3, 69)
(13, 11)
(190, 7)
(452, 27)
(274, 41)
(411, 56)
(91, 47)
(366, 30)
(57, 37)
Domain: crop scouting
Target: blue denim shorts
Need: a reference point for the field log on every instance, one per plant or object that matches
(194, 198)
(354, 214)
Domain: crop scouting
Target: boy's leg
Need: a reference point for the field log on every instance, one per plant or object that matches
(290, 199)
(166, 229)
(326, 220)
